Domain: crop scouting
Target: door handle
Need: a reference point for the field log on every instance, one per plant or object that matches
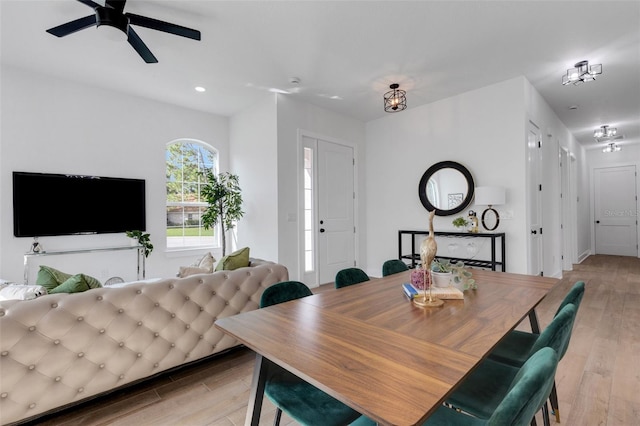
(533, 231)
(321, 230)
(597, 221)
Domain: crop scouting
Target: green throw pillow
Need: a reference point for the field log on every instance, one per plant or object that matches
(235, 260)
(92, 282)
(75, 284)
(50, 278)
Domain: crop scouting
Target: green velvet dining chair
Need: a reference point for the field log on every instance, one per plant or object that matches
(283, 292)
(525, 393)
(518, 345)
(350, 276)
(484, 388)
(302, 401)
(393, 266)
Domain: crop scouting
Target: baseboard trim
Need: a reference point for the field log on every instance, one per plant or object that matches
(583, 256)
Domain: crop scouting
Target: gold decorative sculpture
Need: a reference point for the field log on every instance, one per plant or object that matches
(428, 250)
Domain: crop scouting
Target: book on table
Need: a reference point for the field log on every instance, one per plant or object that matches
(440, 292)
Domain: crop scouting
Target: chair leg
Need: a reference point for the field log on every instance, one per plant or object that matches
(533, 422)
(545, 414)
(276, 421)
(553, 399)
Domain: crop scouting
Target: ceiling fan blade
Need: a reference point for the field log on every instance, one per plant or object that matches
(73, 26)
(136, 42)
(156, 24)
(90, 3)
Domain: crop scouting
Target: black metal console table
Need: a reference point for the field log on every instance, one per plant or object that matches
(414, 256)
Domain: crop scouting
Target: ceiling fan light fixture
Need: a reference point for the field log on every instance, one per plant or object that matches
(111, 18)
(395, 100)
(112, 15)
(605, 132)
(581, 72)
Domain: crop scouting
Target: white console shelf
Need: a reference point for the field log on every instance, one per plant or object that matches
(139, 249)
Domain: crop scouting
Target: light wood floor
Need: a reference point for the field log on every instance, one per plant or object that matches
(598, 379)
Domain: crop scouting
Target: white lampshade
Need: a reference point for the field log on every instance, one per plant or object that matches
(489, 195)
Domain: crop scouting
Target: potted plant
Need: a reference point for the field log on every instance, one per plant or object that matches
(461, 278)
(441, 271)
(460, 222)
(446, 273)
(143, 239)
(224, 197)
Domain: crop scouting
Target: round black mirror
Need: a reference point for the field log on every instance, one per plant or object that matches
(446, 187)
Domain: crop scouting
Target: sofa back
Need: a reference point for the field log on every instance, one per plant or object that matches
(62, 348)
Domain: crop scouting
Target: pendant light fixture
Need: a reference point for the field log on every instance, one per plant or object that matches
(581, 72)
(395, 100)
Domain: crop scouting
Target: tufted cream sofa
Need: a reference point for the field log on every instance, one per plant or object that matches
(62, 348)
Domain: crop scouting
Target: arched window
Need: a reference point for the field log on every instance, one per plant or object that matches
(186, 160)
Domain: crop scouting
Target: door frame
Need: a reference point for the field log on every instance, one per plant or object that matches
(536, 198)
(592, 201)
(300, 208)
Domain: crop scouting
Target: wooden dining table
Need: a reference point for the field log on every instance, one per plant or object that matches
(370, 347)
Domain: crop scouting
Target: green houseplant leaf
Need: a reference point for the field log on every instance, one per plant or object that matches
(144, 240)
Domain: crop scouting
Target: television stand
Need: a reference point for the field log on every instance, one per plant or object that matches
(139, 248)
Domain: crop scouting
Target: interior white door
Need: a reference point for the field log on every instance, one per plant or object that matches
(534, 195)
(615, 211)
(336, 231)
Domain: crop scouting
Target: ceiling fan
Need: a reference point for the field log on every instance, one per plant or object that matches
(112, 14)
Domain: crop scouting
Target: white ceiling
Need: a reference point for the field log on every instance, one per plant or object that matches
(346, 53)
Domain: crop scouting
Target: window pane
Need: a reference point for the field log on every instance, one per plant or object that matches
(307, 220)
(308, 261)
(307, 198)
(308, 240)
(185, 163)
(307, 179)
(308, 158)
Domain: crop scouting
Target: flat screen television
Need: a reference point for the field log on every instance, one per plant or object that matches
(56, 204)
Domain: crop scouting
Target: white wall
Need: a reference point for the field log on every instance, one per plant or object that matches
(57, 126)
(554, 136)
(254, 158)
(295, 116)
(629, 155)
(483, 129)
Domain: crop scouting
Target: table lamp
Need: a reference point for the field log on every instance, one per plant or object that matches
(490, 196)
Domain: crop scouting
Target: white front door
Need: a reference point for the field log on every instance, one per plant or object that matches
(615, 211)
(328, 231)
(534, 195)
(335, 210)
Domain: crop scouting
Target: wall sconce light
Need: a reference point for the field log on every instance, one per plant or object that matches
(605, 132)
(581, 73)
(490, 196)
(612, 147)
(395, 100)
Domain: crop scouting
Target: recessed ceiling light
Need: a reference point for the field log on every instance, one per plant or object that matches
(573, 107)
(200, 89)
